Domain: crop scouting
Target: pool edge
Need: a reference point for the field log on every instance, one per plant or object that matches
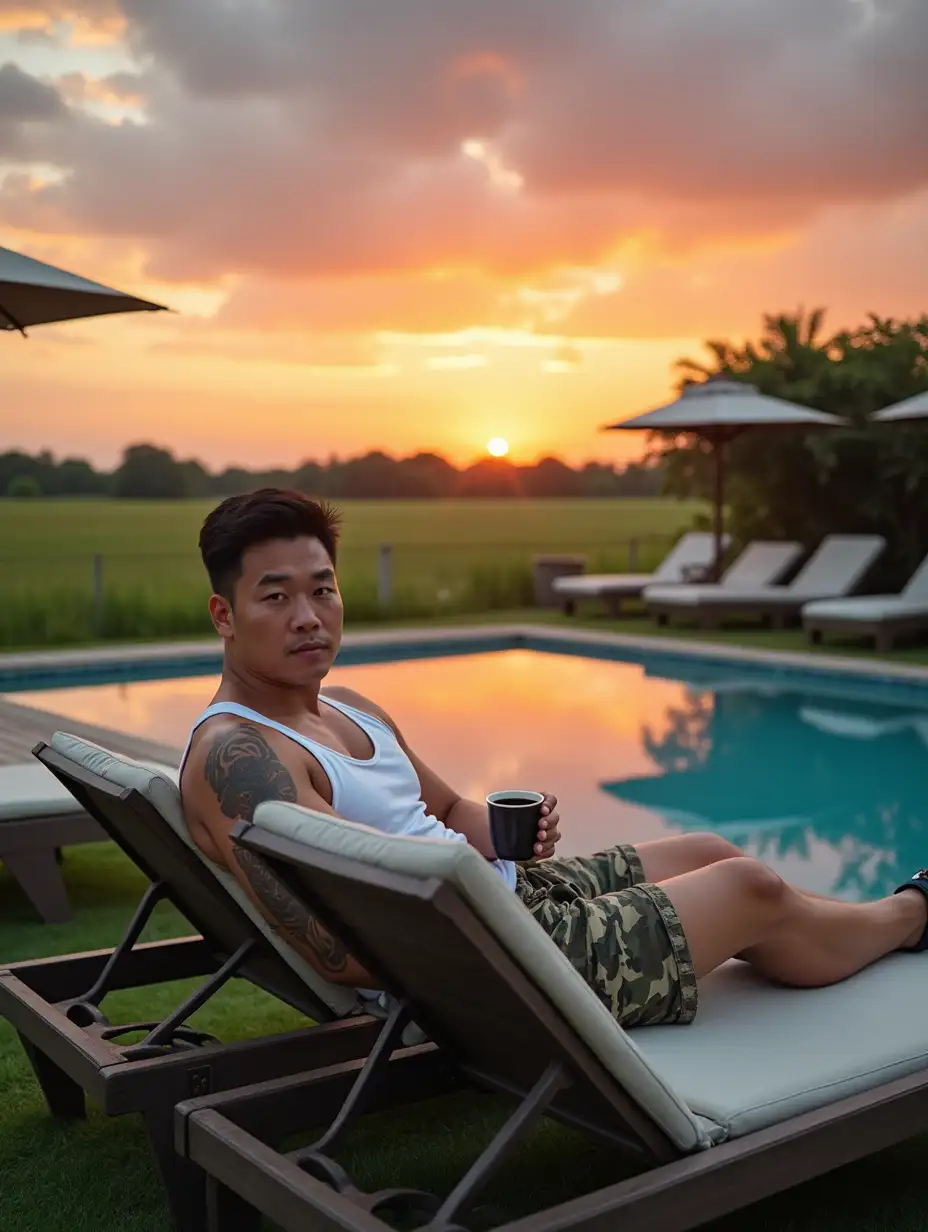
(60, 669)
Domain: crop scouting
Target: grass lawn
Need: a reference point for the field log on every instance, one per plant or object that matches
(98, 1176)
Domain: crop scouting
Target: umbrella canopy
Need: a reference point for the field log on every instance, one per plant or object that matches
(34, 293)
(718, 410)
(909, 408)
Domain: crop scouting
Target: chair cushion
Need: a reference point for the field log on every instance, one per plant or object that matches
(757, 1054)
(684, 595)
(503, 913)
(28, 789)
(695, 548)
(866, 607)
(160, 788)
(591, 585)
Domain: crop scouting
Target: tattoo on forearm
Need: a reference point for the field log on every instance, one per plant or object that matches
(291, 916)
(243, 770)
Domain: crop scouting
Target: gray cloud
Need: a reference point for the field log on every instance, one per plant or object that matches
(296, 138)
(23, 98)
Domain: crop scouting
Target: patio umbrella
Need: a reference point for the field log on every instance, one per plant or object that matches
(34, 293)
(718, 410)
(909, 408)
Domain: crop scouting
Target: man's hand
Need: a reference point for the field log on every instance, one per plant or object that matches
(548, 833)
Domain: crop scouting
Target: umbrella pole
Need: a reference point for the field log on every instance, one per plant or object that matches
(719, 508)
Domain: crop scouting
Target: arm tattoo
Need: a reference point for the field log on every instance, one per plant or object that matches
(291, 916)
(243, 770)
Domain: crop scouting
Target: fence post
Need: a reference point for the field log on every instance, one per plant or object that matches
(385, 574)
(633, 555)
(97, 594)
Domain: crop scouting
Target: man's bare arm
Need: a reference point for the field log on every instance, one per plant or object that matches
(242, 769)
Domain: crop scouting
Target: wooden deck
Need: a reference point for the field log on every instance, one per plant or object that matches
(22, 727)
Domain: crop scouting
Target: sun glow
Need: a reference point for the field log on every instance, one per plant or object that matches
(498, 447)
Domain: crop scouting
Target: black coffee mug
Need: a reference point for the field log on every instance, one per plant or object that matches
(514, 820)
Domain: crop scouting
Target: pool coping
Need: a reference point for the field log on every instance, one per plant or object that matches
(67, 668)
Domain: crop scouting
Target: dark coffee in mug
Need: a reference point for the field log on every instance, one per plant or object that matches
(514, 820)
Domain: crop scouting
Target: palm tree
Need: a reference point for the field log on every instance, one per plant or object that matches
(789, 350)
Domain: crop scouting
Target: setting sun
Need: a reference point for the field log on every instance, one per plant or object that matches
(497, 447)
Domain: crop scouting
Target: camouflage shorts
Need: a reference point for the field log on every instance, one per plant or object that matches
(621, 933)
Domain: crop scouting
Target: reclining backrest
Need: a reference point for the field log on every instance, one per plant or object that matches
(917, 586)
(437, 925)
(837, 565)
(762, 563)
(695, 549)
(145, 817)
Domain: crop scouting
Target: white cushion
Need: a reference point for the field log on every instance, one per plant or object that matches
(757, 1054)
(680, 596)
(161, 790)
(761, 563)
(837, 565)
(503, 913)
(591, 585)
(723, 596)
(865, 607)
(28, 789)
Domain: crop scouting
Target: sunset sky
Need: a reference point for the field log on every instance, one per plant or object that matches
(421, 224)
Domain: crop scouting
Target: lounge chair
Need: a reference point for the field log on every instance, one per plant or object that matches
(882, 617)
(762, 563)
(751, 1098)
(54, 1003)
(692, 555)
(835, 568)
(38, 817)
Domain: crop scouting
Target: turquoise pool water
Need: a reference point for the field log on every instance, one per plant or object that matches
(824, 779)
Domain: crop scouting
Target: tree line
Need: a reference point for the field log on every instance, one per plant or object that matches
(149, 472)
(865, 478)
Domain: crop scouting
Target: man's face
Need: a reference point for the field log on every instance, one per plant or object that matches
(285, 622)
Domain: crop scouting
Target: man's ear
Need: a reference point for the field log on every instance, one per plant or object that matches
(222, 616)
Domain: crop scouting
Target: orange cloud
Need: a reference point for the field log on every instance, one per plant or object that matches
(92, 21)
(574, 194)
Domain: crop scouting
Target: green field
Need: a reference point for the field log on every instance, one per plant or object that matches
(447, 557)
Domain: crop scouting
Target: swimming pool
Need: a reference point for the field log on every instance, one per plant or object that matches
(821, 775)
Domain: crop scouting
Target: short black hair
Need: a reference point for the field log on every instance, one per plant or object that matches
(241, 522)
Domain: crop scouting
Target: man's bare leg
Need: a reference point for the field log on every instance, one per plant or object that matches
(663, 858)
(742, 907)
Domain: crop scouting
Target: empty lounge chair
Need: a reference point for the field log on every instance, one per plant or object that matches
(762, 563)
(836, 567)
(693, 553)
(882, 617)
(749, 1099)
(38, 816)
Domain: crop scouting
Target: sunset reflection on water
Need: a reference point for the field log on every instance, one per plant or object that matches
(829, 791)
(514, 718)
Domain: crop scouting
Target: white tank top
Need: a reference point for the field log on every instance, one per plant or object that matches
(381, 791)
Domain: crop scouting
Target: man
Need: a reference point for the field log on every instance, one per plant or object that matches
(642, 924)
